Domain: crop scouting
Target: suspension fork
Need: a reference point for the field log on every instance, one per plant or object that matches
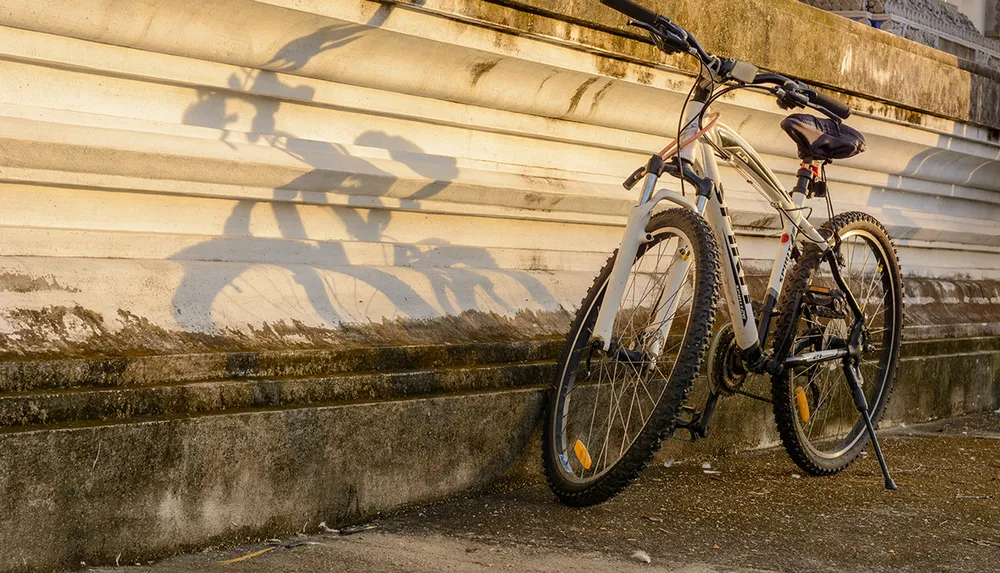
(679, 267)
(681, 262)
(635, 234)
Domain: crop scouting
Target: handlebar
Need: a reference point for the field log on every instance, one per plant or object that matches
(839, 108)
(633, 10)
(669, 37)
(672, 38)
(794, 94)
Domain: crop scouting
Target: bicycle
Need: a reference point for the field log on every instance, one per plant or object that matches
(646, 325)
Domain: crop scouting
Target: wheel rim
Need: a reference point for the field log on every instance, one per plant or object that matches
(834, 426)
(608, 408)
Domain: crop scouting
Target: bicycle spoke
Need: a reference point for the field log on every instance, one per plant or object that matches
(834, 424)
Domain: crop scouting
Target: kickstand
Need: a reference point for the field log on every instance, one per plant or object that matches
(854, 379)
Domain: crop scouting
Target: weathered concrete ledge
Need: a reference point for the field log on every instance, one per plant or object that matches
(149, 455)
(788, 37)
(120, 391)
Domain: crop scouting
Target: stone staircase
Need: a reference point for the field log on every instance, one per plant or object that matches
(63, 393)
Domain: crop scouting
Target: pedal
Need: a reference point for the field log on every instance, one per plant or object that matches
(692, 424)
(693, 414)
(698, 425)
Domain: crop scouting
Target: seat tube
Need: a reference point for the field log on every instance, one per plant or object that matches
(789, 235)
(733, 280)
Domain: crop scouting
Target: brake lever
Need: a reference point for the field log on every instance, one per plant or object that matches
(676, 167)
(666, 40)
(789, 98)
(810, 94)
(801, 96)
(836, 118)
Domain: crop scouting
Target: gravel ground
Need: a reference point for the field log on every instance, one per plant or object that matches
(758, 514)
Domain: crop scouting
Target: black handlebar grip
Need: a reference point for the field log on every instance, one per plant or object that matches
(632, 10)
(634, 178)
(837, 107)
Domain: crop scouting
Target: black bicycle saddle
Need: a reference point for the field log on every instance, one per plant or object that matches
(821, 139)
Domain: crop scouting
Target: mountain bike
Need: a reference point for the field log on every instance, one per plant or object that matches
(646, 325)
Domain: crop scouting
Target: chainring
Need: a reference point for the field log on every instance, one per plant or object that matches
(725, 368)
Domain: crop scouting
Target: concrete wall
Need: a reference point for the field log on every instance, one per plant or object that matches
(957, 28)
(270, 262)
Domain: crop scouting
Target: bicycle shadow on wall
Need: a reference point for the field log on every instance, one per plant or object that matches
(451, 274)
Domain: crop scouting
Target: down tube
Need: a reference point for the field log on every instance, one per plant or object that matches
(733, 281)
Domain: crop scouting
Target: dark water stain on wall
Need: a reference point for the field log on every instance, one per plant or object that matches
(480, 69)
(77, 332)
(24, 283)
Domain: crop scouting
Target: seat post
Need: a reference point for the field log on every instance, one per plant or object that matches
(807, 173)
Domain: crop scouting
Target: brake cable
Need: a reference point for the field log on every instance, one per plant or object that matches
(680, 120)
(829, 210)
(781, 210)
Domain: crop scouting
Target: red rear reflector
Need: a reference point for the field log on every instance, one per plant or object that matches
(784, 238)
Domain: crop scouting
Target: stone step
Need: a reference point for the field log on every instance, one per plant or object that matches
(90, 491)
(60, 392)
(954, 345)
(125, 371)
(58, 408)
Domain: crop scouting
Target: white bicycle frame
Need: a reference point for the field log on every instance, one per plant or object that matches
(719, 141)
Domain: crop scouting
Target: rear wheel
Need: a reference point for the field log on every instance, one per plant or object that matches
(608, 411)
(819, 424)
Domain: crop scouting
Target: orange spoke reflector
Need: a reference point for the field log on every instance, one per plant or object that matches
(582, 454)
(800, 399)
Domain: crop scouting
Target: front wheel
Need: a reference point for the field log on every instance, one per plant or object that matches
(607, 412)
(817, 419)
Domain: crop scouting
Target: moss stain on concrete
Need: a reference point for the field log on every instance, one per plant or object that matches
(781, 35)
